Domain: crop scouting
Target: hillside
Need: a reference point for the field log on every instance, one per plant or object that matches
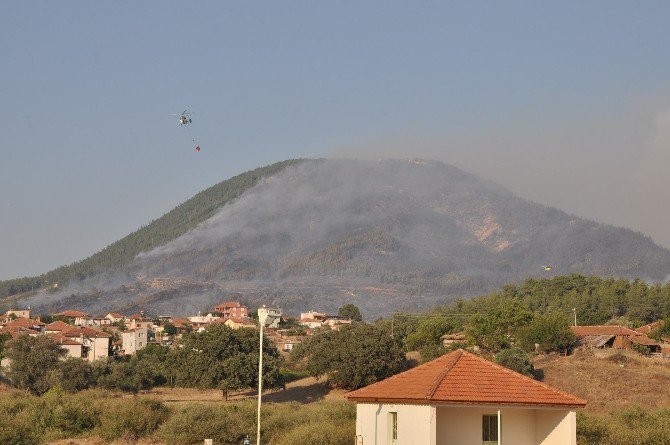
(173, 224)
(608, 380)
(385, 235)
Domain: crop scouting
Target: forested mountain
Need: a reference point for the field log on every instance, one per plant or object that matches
(385, 235)
(173, 224)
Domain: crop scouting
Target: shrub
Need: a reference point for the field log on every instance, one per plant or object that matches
(323, 432)
(131, 420)
(17, 430)
(515, 359)
(58, 416)
(193, 423)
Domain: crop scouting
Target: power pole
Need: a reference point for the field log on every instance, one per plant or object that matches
(574, 311)
(262, 317)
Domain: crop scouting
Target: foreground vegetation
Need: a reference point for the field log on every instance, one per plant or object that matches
(31, 420)
(636, 425)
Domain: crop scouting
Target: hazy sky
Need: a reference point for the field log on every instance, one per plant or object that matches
(565, 103)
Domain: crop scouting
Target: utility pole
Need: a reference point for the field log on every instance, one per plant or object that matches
(262, 317)
(574, 311)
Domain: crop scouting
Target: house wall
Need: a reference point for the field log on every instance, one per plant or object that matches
(134, 340)
(99, 348)
(556, 427)
(72, 350)
(463, 425)
(416, 423)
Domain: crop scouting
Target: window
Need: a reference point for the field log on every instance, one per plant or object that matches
(490, 429)
(393, 429)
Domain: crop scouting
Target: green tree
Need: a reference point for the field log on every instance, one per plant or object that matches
(551, 332)
(223, 358)
(351, 311)
(72, 375)
(399, 325)
(4, 337)
(429, 332)
(515, 359)
(433, 351)
(494, 329)
(32, 359)
(661, 331)
(125, 374)
(169, 328)
(353, 357)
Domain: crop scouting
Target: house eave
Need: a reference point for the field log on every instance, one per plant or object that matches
(463, 403)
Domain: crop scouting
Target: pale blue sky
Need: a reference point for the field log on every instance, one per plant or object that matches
(562, 102)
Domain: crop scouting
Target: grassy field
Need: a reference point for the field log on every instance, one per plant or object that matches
(307, 390)
(610, 380)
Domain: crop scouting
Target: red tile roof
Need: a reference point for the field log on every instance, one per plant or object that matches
(581, 331)
(88, 332)
(463, 378)
(643, 340)
(71, 314)
(646, 329)
(179, 322)
(13, 331)
(58, 326)
(230, 304)
(27, 323)
(62, 340)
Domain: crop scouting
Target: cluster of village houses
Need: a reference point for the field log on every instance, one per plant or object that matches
(88, 337)
(91, 338)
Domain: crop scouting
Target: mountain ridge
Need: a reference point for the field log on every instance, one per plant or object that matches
(173, 223)
(385, 235)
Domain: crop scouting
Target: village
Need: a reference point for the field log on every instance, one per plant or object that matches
(99, 337)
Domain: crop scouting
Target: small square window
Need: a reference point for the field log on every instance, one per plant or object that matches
(490, 429)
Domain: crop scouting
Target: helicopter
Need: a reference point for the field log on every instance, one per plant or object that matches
(184, 117)
(184, 121)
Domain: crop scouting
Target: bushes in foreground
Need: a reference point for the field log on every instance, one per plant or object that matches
(633, 426)
(327, 423)
(30, 420)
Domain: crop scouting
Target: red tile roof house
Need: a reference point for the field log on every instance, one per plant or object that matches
(232, 309)
(617, 337)
(462, 399)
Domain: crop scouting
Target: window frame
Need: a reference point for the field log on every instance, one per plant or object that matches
(490, 429)
(392, 428)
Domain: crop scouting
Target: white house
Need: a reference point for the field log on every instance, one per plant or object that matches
(18, 313)
(203, 319)
(95, 343)
(462, 399)
(134, 340)
(272, 316)
(73, 348)
(115, 317)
